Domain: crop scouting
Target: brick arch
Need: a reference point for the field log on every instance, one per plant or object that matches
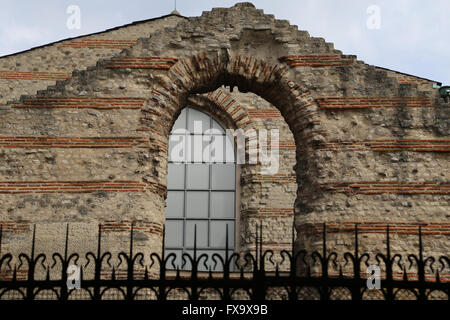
(224, 107)
(204, 73)
(201, 74)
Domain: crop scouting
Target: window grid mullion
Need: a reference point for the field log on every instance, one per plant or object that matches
(209, 192)
(185, 183)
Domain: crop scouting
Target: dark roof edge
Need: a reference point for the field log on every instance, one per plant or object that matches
(98, 32)
(411, 75)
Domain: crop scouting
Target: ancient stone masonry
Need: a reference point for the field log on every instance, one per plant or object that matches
(84, 126)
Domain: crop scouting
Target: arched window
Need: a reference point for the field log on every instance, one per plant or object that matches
(201, 186)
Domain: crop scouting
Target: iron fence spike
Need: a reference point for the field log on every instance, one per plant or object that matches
(131, 240)
(33, 242)
(99, 240)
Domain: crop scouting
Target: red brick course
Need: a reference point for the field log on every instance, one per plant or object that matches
(317, 60)
(420, 145)
(139, 226)
(72, 142)
(332, 103)
(276, 178)
(412, 228)
(393, 187)
(268, 212)
(15, 227)
(82, 103)
(15, 187)
(31, 75)
(141, 63)
(98, 44)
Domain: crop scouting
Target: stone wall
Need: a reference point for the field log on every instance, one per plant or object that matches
(357, 144)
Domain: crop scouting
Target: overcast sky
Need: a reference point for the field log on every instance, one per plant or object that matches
(411, 36)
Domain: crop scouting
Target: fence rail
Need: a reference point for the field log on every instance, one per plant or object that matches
(262, 275)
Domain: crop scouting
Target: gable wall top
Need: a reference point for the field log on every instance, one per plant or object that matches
(26, 72)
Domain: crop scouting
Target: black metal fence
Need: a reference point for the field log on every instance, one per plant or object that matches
(262, 275)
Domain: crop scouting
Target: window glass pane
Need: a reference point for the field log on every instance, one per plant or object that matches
(217, 149)
(219, 266)
(229, 148)
(222, 204)
(174, 234)
(187, 263)
(181, 121)
(223, 176)
(198, 121)
(202, 234)
(175, 176)
(208, 261)
(197, 145)
(197, 204)
(200, 144)
(218, 234)
(207, 146)
(197, 176)
(175, 204)
(201, 266)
